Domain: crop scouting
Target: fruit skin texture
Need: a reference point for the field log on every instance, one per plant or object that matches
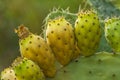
(87, 32)
(60, 37)
(112, 33)
(8, 74)
(35, 48)
(27, 70)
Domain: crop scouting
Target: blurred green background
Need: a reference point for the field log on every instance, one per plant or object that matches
(31, 13)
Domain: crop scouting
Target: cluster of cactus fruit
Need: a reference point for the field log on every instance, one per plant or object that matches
(72, 45)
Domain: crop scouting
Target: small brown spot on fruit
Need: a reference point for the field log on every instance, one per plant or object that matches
(39, 46)
(58, 38)
(68, 24)
(38, 38)
(30, 36)
(46, 49)
(77, 22)
(30, 42)
(86, 20)
(58, 24)
(94, 17)
(65, 29)
(26, 49)
(93, 23)
(52, 31)
(82, 26)
(21, 43)
(32, 65)
(27, 67)
(89, 30)
(115, 29)
(49, 24)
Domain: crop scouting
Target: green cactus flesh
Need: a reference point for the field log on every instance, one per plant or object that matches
(60, 37)
(87, 32)
(112, 33)
(105, 8)
(35, 48)
(101, 66)
(27, 70)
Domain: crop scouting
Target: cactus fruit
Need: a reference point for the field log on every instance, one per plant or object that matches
(100, 66)
(87, 32)
(23, 69)
(112, 33)
(8, 74)
(60, 37)
(35, 48)
(27, 70)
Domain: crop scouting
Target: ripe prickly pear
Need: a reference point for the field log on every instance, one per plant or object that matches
(87, 32)
(35, 48)
(27, 70)
(112, 33)
(60, 37)
(8, 74)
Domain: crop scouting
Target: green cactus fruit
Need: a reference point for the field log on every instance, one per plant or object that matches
(100, 66)
(112, 33)
(60, 37)
(8, 74)
(35, 48)
(87, 32)
(26, 69)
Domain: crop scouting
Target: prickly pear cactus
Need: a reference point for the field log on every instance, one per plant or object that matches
(60, 37)
(101, 66)
(35, 48)
(87, 32)
(112, 33)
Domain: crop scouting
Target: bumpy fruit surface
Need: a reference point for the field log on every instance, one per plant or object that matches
(60, 37)
(87, 32)
(35, 48)
(112, 33)
(27, 70)
(8, 74)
